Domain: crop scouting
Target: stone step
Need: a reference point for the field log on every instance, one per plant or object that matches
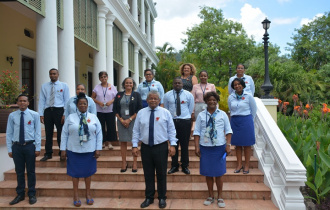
(134, 203)
(115, 162)
(231, 190)
(114, 174)
(117, 152)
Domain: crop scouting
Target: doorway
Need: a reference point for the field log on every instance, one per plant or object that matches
(28, 79)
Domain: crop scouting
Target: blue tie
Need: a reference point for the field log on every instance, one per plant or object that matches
(21, 129)
(151, 128)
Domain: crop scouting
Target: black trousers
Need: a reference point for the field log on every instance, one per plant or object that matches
(183, 129)
(108, 120)
(155, 158)
(52, 116)
(24, 155)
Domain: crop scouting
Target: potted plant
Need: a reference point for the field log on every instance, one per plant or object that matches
(9, 90)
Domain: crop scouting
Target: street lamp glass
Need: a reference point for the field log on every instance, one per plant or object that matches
(266, 24)
(230, 63)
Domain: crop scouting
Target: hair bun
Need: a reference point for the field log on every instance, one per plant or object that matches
(81, 95)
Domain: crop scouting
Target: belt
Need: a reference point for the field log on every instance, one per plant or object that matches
(55, 108)
(165, 142)
(26, 143)
(178, 120)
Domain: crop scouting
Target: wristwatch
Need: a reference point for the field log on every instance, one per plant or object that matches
(130, 119)
(228, 144)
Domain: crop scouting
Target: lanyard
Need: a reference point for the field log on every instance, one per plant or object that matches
(126, 97)
(202, 88)
(105, 92)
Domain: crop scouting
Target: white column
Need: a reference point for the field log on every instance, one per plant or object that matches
(153, 35)
(135, 10)
(109, 40)
(136, 64)
(126, 4)
(66, 54)
(100, 56)
(124, 71)
(144, 62)
(148, 28)
(149, 65)
(143, 26)
(46, 45)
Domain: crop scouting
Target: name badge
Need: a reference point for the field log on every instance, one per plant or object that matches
(126, 112)
(104, 105)
(84, 138)
(206, 140)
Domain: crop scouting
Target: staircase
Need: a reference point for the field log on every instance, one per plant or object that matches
(114, 190)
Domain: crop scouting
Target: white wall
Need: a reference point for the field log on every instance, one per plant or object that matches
(6, 163)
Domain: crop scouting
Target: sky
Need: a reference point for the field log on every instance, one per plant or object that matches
(176, 16)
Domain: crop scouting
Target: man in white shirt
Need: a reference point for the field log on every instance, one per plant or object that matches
(154, 127)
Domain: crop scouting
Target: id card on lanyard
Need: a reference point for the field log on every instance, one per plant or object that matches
(104, 94)
(127, 103)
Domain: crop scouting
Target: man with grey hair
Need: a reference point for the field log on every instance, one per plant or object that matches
(154, 132)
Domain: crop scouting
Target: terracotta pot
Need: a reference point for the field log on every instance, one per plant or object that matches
(4, 114)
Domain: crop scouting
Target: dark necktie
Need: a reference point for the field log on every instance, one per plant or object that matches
(21, 129)
(151, 128)
(178, 104)
(52, 96)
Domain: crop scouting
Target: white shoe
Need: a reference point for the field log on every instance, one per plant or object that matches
(221, 203)
(110, 146)
(208, 201)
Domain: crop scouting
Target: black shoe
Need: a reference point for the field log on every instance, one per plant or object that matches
(32, 199)
(146, 202)
(185, 170)
(18, 199)
(173, 170)
(162, 203)
(46, 157)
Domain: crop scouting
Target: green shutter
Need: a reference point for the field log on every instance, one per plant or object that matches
(131, 56)
(117, 45)
(85, 22)
(36, 5)
(140, 65)
(59, 11)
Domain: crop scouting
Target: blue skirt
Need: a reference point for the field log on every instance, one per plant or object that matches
(213, 161)
(243, 130)
(80, 165)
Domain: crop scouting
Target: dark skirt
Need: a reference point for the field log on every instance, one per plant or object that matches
(243, 130)
(213, 161)
(80, 165)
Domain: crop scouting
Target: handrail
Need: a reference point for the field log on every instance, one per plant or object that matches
(284, 172)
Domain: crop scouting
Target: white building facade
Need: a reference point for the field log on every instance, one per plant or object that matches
(80, 38)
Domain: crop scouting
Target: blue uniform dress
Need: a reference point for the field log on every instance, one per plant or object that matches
(213, 153)
(145, 87)
(81, 161)
(242, 111)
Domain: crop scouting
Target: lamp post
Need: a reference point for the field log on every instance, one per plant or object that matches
(267, 86)
(230, 63)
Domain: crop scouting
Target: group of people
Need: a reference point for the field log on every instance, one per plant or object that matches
(147, 116)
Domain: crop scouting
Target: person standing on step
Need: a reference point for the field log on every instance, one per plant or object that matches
(53, 97)
(243, 110)
(81, 143)
(249, 83)
(188, 71)
(180, 103)
(126, 106)
(212, 135)
(149, 84)
(23, 138)
(104, 96)
(154, 127)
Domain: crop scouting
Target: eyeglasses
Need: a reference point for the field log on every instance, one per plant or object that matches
(103, 77)
(148, 75)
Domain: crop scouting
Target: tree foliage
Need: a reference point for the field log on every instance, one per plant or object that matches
(167, 68)
(215, 41)
(311, 44)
